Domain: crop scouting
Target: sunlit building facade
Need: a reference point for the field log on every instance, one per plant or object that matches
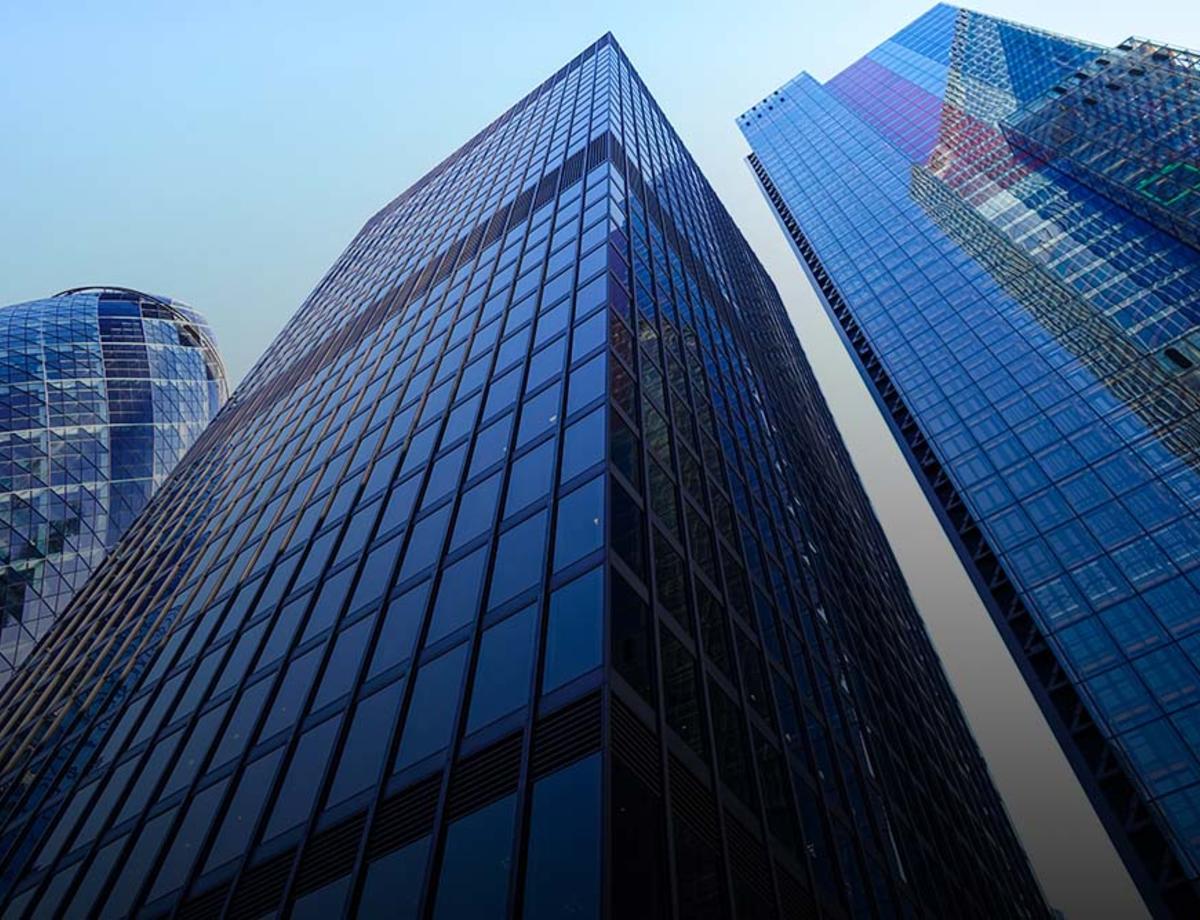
(1003, 223)
(524, 576)
(102, 390)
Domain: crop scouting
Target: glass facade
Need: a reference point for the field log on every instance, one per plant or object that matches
(1003, 224)
(524, 576)
(101, 392)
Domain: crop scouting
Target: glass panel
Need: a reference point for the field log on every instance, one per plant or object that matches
(401, 623)
(519, 559)
(562, 872)
(580, 524)
(303, 778)
(393, 884)
(575, 632)
(430, 721)
(458, 596)
(234, 836)
(366, 743)
(475, 866)
(502, 672)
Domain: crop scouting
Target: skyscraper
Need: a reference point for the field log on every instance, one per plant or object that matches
(101, 392)
(525, 575)
(1003, 225)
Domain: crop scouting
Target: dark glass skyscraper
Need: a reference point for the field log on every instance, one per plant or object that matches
(1003, 224)
(101, 392)
(525, 575)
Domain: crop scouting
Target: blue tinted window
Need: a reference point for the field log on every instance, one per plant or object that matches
(342, 667)
(430, 721)
(474, 880)
(303, 778)
(546, 363)
(580, 525)
(444, 477)
(562, 873)
(186, 842)
(393, 884)
(583, 445)
(475, 512)
(539, 414)
(458, 595)
(503, 669)
(197, 745)
(241, 723)
(327, 901)
(366, 743)
(575, 631)
(425, 545)
(400, 626)
(491, 445)
(587, 384)
(244, 808)
(373, 581)
(519, 556)
(289, 701)
(531, 477)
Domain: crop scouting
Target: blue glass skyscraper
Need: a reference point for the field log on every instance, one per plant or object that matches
(1003, 225)
(524, 576)
(101, 392)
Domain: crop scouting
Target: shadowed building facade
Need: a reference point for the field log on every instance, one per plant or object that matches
(102, 390)
(1003, 224)
(525, 575)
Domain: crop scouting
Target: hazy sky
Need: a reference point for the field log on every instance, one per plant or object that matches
(224, 153)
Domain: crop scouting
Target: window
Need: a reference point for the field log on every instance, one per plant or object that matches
(587, 384)
(323, 903)
(289, 700)
(580, 524)
(583, 445)
(400, 625)
(458, 596)
(519, 556)
(241, 723)
(186, 842)
(233, 838)
(430, 722)
(562, 872)
(491, 445)
(343, 662)
(531, 478)
(575, 631)
(475, 512)
(425, 545)
(366, 743)
(303, 780)
(474, 879)
(539, 414)
(631, 649)
(681, 692)
(393, 883)
(373, 582)
(502, 672)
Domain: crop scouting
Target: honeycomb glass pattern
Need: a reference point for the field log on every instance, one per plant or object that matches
(1001, 222)
(101, 392)
(524, 576)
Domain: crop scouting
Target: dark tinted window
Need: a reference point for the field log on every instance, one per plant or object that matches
(502, 672)
(430, 720)
(562, 873)
(474, 879)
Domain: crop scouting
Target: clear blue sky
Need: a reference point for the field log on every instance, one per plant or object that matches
(225, 152)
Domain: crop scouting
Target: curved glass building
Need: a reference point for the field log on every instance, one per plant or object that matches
(101, 392)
